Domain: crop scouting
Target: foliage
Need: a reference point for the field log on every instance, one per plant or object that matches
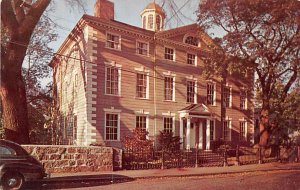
(261, 36)
(168, 142)
(137, 141)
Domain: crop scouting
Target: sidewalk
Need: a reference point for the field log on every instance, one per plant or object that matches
(174, 172)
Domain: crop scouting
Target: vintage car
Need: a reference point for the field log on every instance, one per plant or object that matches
(17, 166)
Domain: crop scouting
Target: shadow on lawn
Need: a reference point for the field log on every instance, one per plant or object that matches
(78, 181)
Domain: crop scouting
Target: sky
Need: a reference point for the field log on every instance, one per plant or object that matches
(127, 11)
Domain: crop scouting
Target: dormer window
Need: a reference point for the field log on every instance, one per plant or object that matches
(192, 40)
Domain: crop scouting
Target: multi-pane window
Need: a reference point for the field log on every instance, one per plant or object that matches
(192, 40)
(227, 96)
(169, 88)
(191, 59)
(142, 48)
(169, 53)
(243, 100)
(211, 94)
(191, 92)
(113, 41)
(141, 124)
(150, 21)
(212, 130)
(226, 130)
(144, 22)
(243, 131)
(111, 126)
(157, 22)
(168, 124)
(112, 81)
(141, 85)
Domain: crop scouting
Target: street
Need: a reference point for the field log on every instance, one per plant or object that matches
(272, 180)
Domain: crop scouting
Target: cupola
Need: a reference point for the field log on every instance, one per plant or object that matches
(153, 17)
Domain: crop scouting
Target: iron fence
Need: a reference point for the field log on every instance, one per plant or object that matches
(153, 159)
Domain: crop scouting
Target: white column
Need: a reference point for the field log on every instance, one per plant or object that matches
(181, 132)
(188, 133)
(200, 135)
(208, 134)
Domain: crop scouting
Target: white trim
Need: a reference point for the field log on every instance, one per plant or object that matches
(147, 122)
(169, 114)
(114, 34)
(169, 74)
(141, 69)
(196, 58)
(136, 47)
(112, 64)
(141, 112)
(117, 66)
(193, 35)
(118, 129)
(112, 109)
(195, 87)
(174, 53)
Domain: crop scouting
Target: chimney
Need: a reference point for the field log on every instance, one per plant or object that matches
(104, 9)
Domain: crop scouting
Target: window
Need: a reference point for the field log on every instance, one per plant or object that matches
(6, 151)
(192, 41)
(211, 94)
(243, 131)
(169, 88)
(144, 22)
(191, 59)
(169, 54)
(141, 125)
(150, 21)
(112, 81)
(113, 41)
(243, 100)
(168, 124)
(191, 92)
(227, 96)
(212, 129)
(141, 85)
(157, 22)
(111, 126)
(226, 130)
(142, 48)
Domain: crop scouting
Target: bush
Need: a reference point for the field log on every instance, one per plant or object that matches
(168, 142)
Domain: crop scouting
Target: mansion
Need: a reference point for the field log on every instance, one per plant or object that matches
(110, 77)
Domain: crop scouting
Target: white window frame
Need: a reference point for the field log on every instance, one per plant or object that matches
(174, 53)
(187, 58)
(195, 87)
(170, 115)
(147, 121)
(115, 112)
(143, 71)
(119, 43)
(243, 137)
(118, 66)
(214, 93)
(137, 48)
(246, 99)
(230, 96)
(229, 120)
(170, 75)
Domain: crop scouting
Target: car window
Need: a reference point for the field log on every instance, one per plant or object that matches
(6, 151)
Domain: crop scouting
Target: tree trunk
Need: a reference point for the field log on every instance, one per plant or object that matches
(264, 127)
(15, 116)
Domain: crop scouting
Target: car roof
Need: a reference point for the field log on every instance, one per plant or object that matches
(19, 150)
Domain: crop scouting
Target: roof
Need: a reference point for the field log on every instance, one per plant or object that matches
(154, 6)
(196, 109)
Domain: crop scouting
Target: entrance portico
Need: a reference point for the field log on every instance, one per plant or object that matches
(195, 127)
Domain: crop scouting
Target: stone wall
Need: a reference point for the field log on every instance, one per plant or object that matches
(63, 158)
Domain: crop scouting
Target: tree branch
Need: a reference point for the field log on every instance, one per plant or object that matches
(20, 13)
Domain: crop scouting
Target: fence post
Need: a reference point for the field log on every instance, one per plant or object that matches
(225, 163)
(259, 156)
(237, 155)
(162, 160)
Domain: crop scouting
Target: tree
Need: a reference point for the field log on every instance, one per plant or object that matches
(19, 20)
(261, 36)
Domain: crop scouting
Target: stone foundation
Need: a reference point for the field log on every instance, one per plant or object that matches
(62, 158)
